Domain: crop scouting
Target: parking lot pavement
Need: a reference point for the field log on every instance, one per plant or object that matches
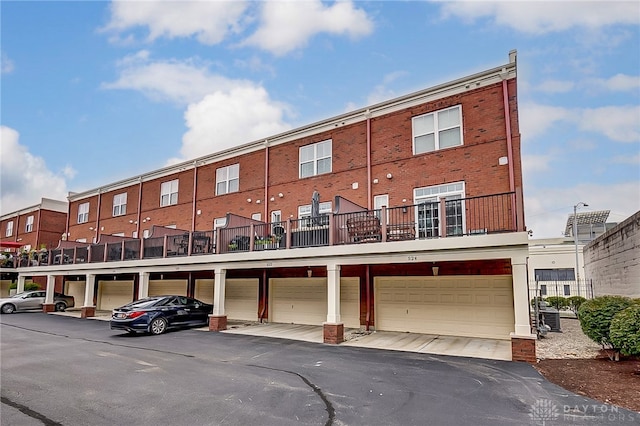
(76, 372)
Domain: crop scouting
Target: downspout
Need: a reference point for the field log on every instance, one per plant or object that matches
(507, 120)
(98, 215)
(193, 209)
(266, 180)
(367, 114)
(139, 208)
(66, 230)
(38, 227)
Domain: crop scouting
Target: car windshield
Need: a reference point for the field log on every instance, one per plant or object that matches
(20, 295)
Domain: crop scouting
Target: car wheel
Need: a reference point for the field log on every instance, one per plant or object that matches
(158, 326)
(8, 308)
(60, 307)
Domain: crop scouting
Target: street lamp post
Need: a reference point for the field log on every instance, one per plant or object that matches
(575, 241)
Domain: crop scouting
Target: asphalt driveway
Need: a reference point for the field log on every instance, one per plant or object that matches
(68, 371)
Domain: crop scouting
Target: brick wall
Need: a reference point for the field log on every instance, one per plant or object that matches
(612, 261)
(475, 163)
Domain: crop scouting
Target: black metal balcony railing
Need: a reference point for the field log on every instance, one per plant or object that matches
(444, 218)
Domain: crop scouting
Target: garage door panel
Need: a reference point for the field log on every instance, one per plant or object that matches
(168, 287)
(445, 305)
(241, 299)
(204, 290)
(296, 301)
(113, 294)
(76, 289)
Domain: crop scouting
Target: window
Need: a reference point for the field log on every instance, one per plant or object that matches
(304, 212)
(145, 233)
(567, 290)
(120, 204)
(378, 202)
(169, 193)
(543, 290)
(83, 213)
(427, 202)
(560, 274)
(315, 159)
(219, 222)
(437, 130)
(9, 231)
(256, 216)
(29, 226)
(228, 179)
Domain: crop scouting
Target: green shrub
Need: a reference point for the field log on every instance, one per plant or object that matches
(557, 302)
(575, 302)
(625, 330)
(27, 286)
(596, 314)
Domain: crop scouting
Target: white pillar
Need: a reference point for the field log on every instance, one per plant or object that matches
(88, 290)
(20, 287)
(520, 297)
(218, 292)
(51, 286)
(333, 294)
(143, 285)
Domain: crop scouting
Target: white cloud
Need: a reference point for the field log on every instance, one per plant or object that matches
(228, 118)
(381, 92)
(24, 177)
(547, 209)
(288, 25)
(535, 163)
(617, 83)
(6, 65)
(208, 21)
(181, 82)
(618, 123)
(537, 17)
(555, 86)
(536, 119)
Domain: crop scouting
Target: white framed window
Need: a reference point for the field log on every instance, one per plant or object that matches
(428, 212)
(219, 222)
(120, 204)
(378, 202)
(315, 159)
(29, 225)
(304, 212)
(145, 233)
(228, 179)
(81, 240)
(256, 216)
(9, 230)
(437, 130)
(169, 193)
(83, 213)
(118, 234)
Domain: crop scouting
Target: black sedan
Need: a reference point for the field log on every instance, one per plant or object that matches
(156, 314)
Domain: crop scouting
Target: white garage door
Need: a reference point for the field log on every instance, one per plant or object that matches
(166, 287)
(304, 301)
(241, 299)
(204, 290)
(113, 294)
(76, 289)
(474, 306)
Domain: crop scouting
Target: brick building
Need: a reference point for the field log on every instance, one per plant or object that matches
(406, 215)
(33, 228)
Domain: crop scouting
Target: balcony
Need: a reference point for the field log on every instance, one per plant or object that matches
(349, 224)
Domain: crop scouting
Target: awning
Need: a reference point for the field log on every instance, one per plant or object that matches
(10, 244)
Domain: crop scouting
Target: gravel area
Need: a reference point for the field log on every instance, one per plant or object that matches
(571, 343)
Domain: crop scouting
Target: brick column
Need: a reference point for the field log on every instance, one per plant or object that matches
(333, 333)
(523, 349)
(217, 323)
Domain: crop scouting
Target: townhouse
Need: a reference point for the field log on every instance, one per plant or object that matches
(406, 215)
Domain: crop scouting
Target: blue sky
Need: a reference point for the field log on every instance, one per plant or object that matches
(93, 92)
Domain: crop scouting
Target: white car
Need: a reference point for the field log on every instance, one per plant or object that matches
(33, 300)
